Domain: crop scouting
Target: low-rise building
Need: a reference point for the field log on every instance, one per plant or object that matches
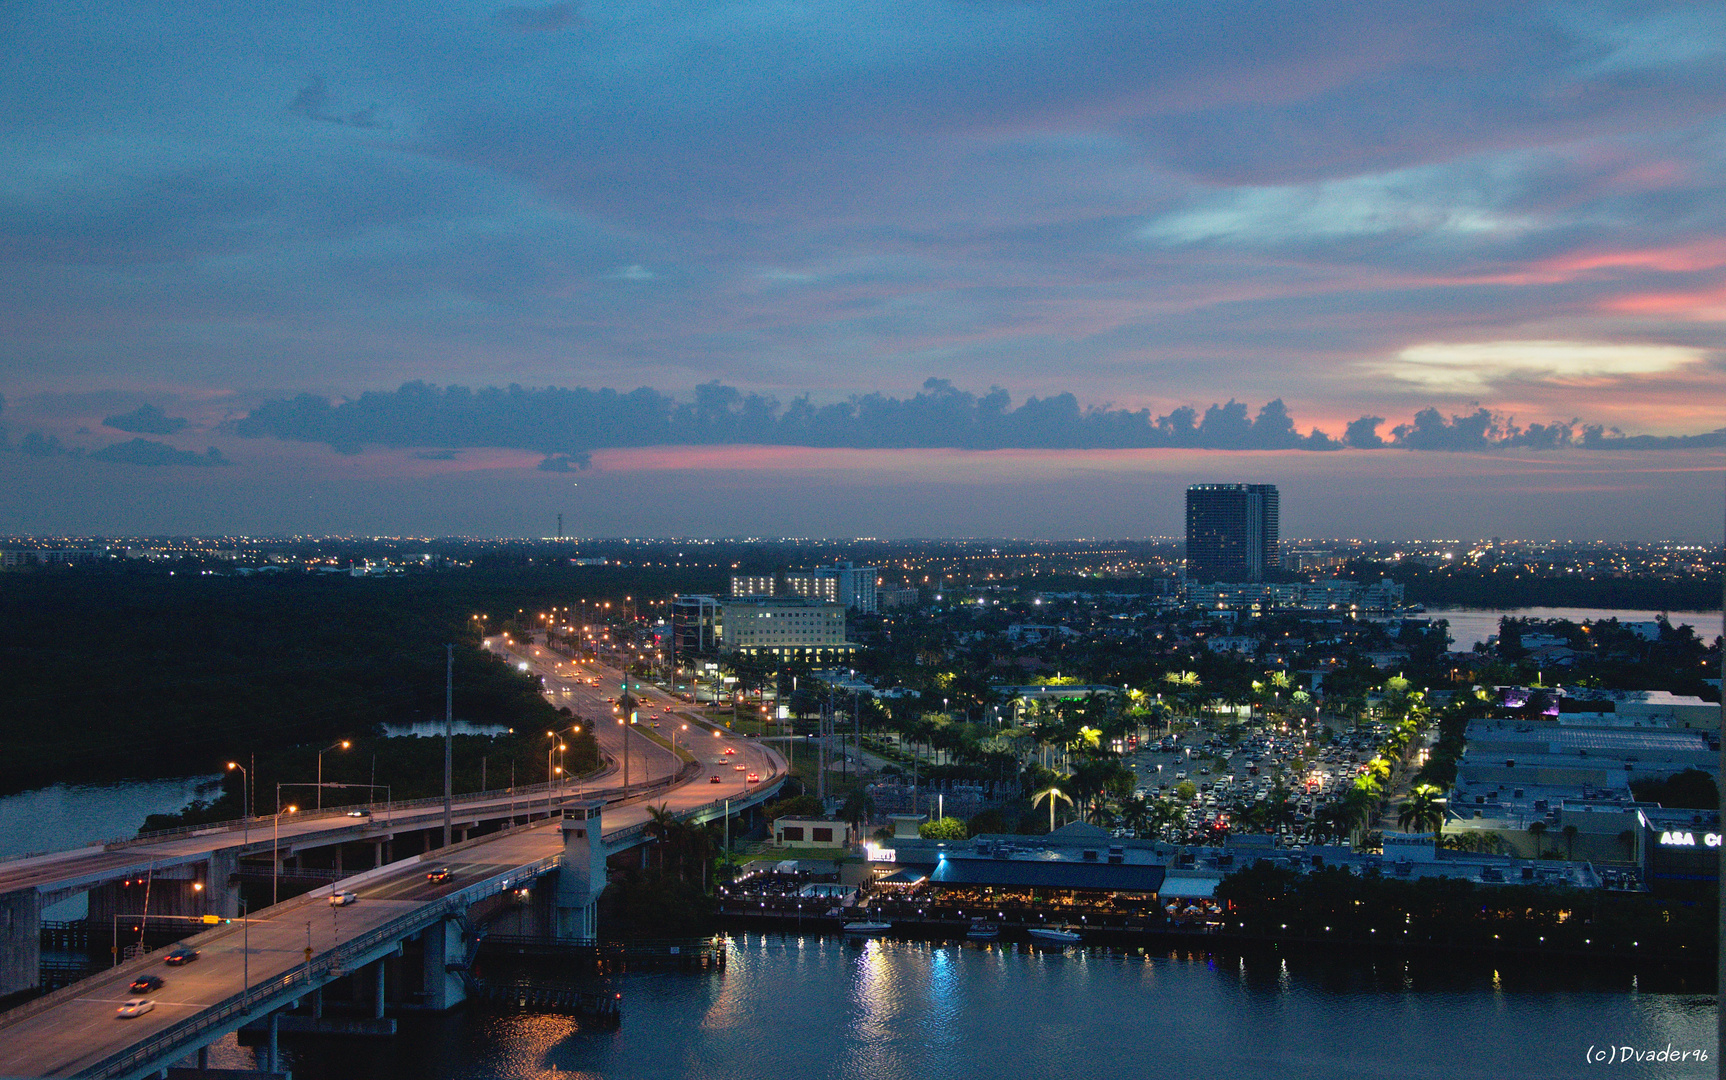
(811, 833)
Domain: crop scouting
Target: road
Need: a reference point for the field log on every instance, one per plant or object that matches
(80, 867)
(81, 1028)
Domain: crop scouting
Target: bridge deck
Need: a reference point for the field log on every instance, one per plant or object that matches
(77, 1032)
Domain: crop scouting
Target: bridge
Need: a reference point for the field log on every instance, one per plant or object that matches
(405, 942)
(195, 871)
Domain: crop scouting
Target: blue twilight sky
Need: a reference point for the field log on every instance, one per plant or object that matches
(899, 269)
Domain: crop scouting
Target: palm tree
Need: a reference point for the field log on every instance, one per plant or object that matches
(661, 824)
(1569, 842)
(1424, 811)
(1357, 808)
(1379, 768)
(1136, 812)
(1051, 793)
(1627, 840)
(858, 808)
(1537, 830)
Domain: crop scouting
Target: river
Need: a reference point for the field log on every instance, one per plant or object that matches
(822, 1009)
(64, 816)
(1469, 626)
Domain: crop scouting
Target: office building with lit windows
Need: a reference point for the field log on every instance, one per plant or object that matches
(1231, 531)
(853, 587)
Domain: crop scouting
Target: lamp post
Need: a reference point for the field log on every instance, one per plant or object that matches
(245, 797)
(550, 751)
(275, 849)
(343, 745)
(245, 945)
(624, 721)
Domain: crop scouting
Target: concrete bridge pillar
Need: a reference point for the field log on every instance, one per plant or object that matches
(190, 889)
(378, 990)
(581, 878)
(222, 885)
(443, 947)
(20, 941)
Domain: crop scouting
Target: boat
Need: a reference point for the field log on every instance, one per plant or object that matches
(1054, 935)
(866, 929)
(983, 931)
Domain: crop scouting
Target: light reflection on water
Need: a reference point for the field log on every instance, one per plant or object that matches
(822, 1009)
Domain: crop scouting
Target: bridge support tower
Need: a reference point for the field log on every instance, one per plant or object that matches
(581, 878)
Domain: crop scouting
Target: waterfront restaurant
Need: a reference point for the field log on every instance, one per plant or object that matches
(1076, 873)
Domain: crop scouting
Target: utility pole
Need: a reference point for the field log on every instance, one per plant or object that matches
(821, 755)
(448, 737)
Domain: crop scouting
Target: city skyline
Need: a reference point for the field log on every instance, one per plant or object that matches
(963, 270)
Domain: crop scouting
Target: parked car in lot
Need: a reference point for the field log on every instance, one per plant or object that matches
(180, 954)
(146, 984)
(134, 1007)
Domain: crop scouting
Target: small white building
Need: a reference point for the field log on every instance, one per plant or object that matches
(811, 833)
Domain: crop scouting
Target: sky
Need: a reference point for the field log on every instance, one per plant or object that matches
(963, 268)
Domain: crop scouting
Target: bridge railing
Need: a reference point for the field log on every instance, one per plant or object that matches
(330, 965)
(221, 1016)
(494, 795)
(762, 792)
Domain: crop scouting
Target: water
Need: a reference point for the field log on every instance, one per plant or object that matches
(426, 729)
(71, 815)
(822, 1009)
(1469, 626)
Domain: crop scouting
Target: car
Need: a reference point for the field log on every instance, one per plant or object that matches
(359, 813)
(134, 1007)
(180, 954)
(146, 984)
(731, 749)
(343, 899)
(738, 768)
(714, 779)
(439, 874)
(752, 778)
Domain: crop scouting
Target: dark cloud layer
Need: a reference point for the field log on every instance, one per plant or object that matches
(565, 424)
(149, 452)
(146, 420)
(313, 103)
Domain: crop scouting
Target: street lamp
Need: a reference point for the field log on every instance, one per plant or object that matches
(624, 722)
(551, 772)
(245, 797)
(343, 745)
(275, 851)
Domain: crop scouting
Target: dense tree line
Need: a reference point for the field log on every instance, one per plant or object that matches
(123, 672)
(1509, 587)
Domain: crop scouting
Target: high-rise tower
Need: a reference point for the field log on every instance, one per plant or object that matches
(1231, 531)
